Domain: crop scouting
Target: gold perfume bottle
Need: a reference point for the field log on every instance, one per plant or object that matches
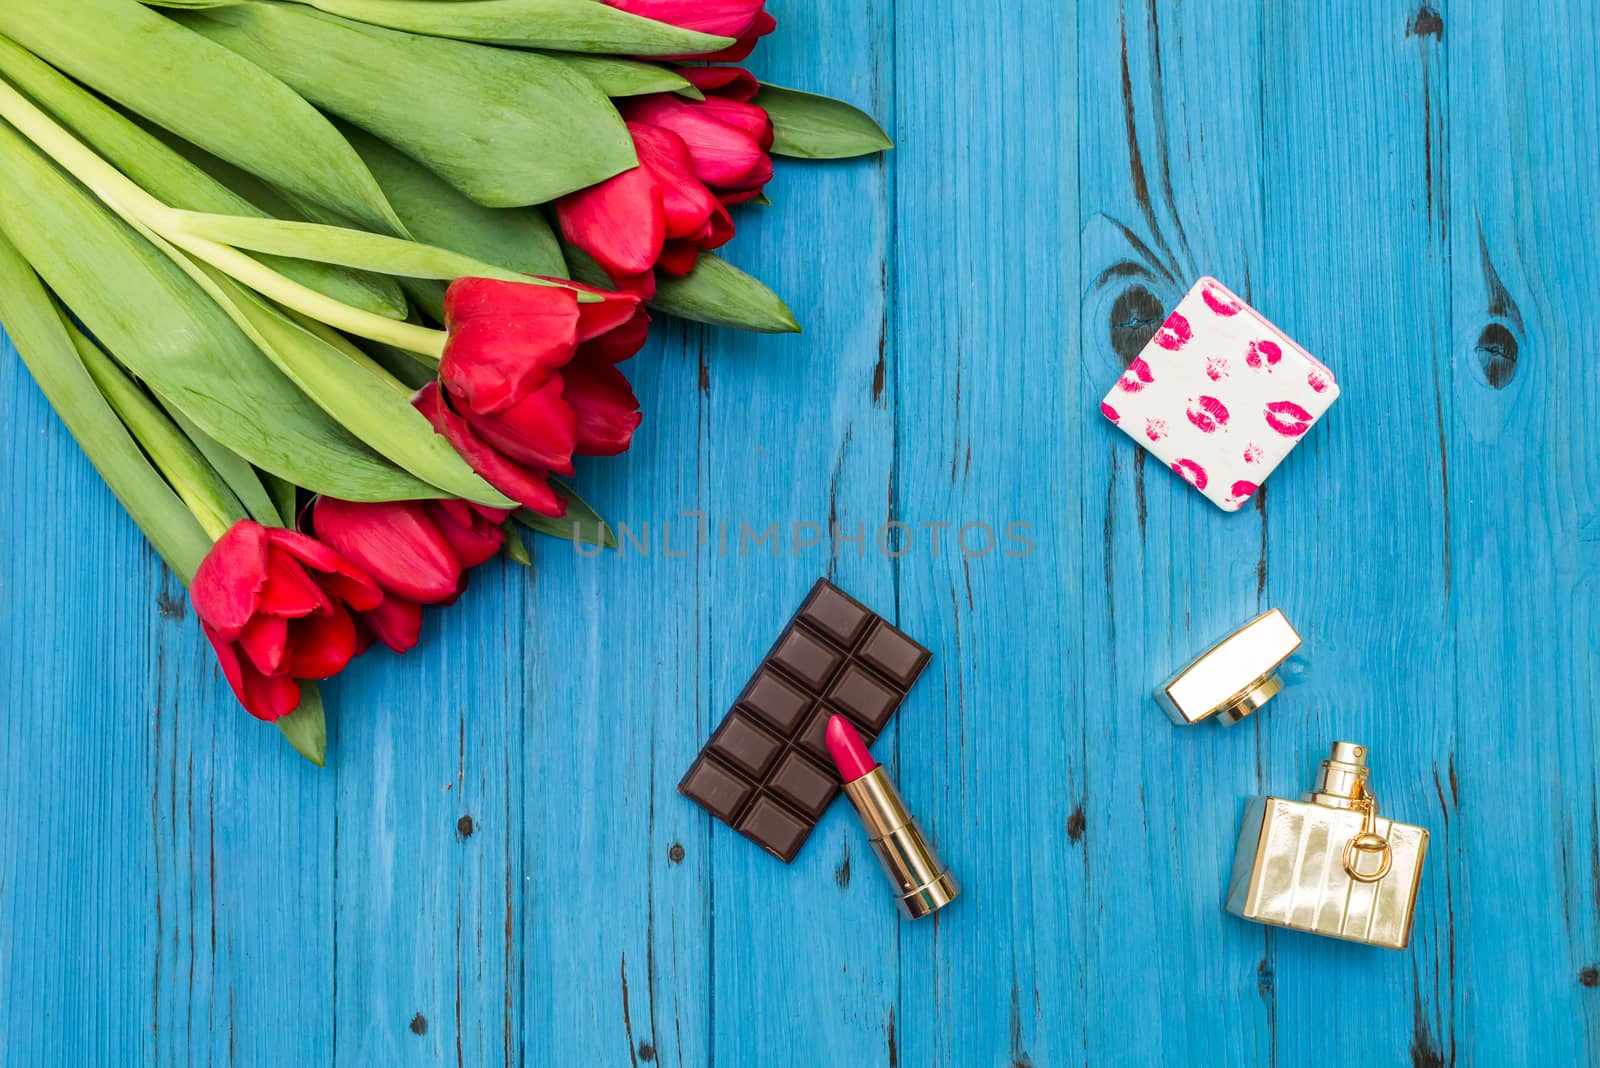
(1328, 863)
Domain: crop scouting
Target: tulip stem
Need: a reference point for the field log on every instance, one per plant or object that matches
(149, 215)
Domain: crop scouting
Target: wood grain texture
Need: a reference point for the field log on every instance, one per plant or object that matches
(495, 868)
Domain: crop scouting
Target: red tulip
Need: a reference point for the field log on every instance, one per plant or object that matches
(276, 607)
(507, 338)
(657, 215)
(417, 552)
(606, 411)
(728, 139)
(524, 484)
(528, 379)
(744, 20)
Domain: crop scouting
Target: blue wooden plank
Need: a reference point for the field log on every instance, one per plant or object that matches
(987, 259)
(1170, 191)
(1367, 552)
(1525, 541)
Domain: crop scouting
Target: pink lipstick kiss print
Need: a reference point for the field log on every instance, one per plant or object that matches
(1288, 418)
(1190, 472)
(1208, 414)
(1174, 333)
(1263, 355)
(1218, 394)
(1219, 301)
(1136, 377)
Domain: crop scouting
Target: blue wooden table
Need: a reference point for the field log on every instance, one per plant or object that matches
(495, 866)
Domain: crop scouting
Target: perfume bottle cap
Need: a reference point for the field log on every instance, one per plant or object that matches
(1234, 677)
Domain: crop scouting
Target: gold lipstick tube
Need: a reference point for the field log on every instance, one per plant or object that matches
(922, 883)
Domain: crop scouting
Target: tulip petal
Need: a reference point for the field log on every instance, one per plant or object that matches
(735, 83)
(724, 18)
(321, 645)
(539, 431)
(267, 697)
(270, 697)
(397, 622)
(338, 576)
(617, 345)
(473, 536)
(265, 641)
(607, 410)
(686, 203)
(290, 593)
(522, 484)
(396, 542)
(678, 257)
(506, 338)
(724, 156)
(618, 222)
(613, 311)
(753, 120)
(740, 50)
(227, 585)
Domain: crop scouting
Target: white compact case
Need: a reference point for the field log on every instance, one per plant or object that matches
(1220, 395)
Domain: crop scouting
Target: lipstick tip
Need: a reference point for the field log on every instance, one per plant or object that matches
(848, 750)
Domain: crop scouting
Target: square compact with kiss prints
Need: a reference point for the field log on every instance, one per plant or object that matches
(1220, 395)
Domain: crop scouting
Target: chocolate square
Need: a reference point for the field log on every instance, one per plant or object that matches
(836, 614)
(744, 744)
(803, 784)
(806, 658)
(766, 771)
(719, 789)
(776, 700)
(893, 655)
(864, 696)
(775, 828)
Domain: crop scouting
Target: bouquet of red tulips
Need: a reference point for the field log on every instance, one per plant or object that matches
(332, 292)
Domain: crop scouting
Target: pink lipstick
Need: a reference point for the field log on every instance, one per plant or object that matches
(921, 882)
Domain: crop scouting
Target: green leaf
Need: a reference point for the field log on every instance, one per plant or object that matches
(202, 92)
(285, 495)
(164, 173)
(819, 127)
(306, 727)
(518, 239)
(208, 497)
(507, 128)
(718, 293)
(366, 400)
(175, 337)
(253, 489)
(336, 244)
(35, 325)
(617, 77)
(566, 25)
(581, 523)
(516, 551)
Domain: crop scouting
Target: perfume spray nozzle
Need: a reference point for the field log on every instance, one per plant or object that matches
(1342, 778)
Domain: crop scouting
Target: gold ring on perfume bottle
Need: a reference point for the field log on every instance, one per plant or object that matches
(1367, 842)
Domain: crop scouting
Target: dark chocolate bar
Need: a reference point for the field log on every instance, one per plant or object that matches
(766, 771)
